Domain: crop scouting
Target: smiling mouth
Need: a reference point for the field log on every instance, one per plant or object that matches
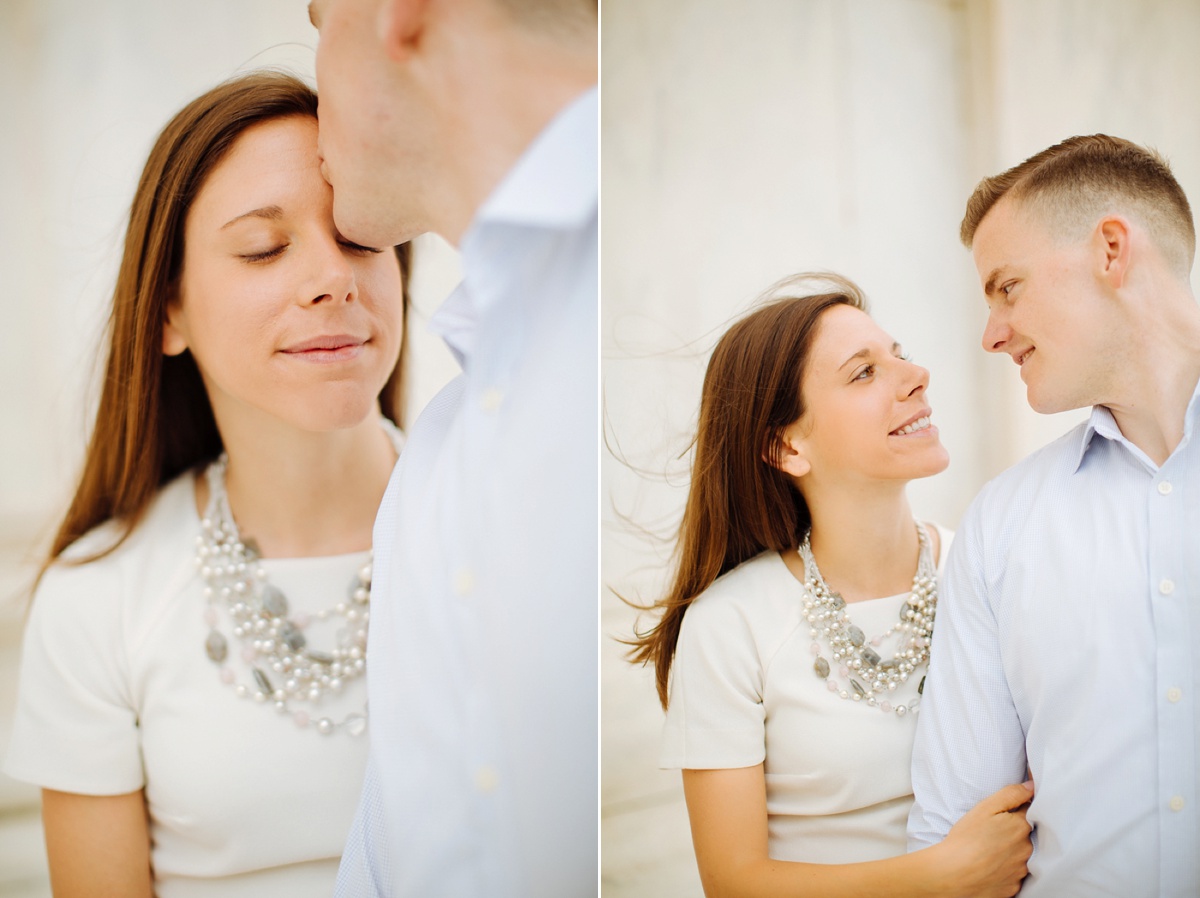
(1021, 359)
(918, 426)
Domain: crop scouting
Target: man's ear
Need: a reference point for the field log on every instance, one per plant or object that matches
(786, 451)
(401, 25)
(174, 339)
(1115, 245)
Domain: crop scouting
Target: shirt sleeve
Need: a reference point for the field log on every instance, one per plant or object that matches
(365, 870)
(715, 717)
(76, 725)
(969, 740)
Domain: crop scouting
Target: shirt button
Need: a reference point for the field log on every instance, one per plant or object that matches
(1166, 587)
(1164, 487)
(486, 779)
(491, 399)
(464, 582)
(1176, 803)
(1174, 694)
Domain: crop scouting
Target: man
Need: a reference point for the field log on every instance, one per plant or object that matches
(1066, 637)
(477, 119)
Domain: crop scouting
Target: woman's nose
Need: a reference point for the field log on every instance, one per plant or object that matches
(333, 274)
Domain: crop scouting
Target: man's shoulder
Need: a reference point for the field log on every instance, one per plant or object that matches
(1033, 479)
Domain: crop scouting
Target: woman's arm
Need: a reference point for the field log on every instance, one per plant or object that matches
(98, 845)
(983, 856)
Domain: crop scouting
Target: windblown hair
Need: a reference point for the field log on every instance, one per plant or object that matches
(739, 503)
(1076, 182)
(154, 419)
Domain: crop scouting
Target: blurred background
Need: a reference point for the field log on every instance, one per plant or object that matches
(87, 87)
(744, 142)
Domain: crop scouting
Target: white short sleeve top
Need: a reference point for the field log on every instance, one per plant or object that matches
(117, 694)
(744, 692)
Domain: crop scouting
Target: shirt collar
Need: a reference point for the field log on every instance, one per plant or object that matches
(553, 185)
(1102, 423)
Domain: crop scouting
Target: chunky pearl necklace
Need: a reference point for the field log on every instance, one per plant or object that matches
(865, 676)
(284, 669)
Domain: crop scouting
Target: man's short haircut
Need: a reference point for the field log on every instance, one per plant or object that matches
(1074, 183)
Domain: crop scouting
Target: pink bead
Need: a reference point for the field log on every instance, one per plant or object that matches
(876, 640)
(815, 648)
(885, 707)
(226, 675)
(302, 620)
(248, 654)
(845, 672)
(832, 686)
(301, 718)
(210, 616)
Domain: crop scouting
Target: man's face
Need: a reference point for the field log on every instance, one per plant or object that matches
(1046, 309)
(368, 126)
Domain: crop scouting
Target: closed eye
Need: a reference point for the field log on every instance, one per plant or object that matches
(358, 248)
(265, 254)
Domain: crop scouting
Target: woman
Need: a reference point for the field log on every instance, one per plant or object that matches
(192, 697)
(799, 618)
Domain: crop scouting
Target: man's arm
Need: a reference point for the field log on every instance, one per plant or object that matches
(969, 741)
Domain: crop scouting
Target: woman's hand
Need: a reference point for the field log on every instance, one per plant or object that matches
(985, 853)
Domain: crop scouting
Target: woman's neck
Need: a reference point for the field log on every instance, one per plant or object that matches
(302, 494)
(865, 542)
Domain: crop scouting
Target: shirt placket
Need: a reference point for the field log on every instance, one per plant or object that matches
(1173, 547)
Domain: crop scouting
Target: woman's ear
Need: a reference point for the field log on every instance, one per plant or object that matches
(174, 338)
(785, 450)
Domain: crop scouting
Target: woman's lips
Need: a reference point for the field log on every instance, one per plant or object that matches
(331, 348)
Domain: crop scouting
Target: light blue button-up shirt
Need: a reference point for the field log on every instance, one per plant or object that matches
(1067, 644)
(482, 655)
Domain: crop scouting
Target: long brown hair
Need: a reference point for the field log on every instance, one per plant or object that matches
(154, 419)
(739, 504)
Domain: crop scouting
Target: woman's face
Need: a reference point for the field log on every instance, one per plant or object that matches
(287, 320)
(866, 414)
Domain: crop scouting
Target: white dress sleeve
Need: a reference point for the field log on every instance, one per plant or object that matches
(76, 727)
(715, 717)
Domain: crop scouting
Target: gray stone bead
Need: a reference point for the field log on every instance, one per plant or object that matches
(857, 637)
(319, 657)
(821, 666)
(871, 656)
(858, 687)
(263, 683)
(216, 647)
(291, 637)
(274, 602)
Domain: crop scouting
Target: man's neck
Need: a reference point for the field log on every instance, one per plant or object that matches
(498, 111)
(1156, 385)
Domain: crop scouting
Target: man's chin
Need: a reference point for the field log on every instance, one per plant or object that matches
(361, 224)
(1048, 404)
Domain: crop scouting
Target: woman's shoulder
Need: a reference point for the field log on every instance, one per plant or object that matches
(163, 538)
(757, 597)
